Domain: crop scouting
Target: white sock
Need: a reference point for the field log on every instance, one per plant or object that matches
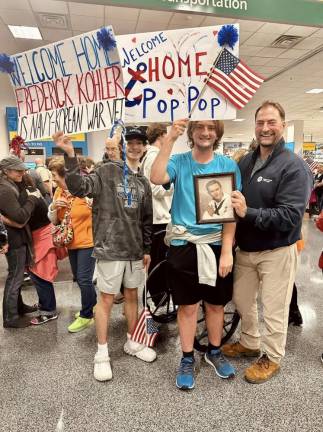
(103, 349)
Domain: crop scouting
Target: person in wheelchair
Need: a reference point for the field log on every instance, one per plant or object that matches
(122, 221)
(200, 258)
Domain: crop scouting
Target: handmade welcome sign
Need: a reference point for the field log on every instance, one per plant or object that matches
(165, 72)
(75, 85)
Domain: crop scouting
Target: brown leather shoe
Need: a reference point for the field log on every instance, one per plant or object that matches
(261, 371)
(237, 350)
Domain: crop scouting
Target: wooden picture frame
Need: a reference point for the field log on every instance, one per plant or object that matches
(213, 198)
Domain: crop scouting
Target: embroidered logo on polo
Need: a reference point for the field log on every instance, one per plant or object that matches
(262, 179)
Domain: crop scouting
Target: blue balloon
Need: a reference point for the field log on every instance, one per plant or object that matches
(228, 35)
(106, 39)
(6, 64)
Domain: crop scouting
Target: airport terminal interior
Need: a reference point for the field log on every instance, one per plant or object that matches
(46, 373)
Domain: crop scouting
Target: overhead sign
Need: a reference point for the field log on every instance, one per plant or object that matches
(74, 85)
(164, 75)
(303, 12)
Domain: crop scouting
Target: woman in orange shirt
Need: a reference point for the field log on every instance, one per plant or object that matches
(81, 247)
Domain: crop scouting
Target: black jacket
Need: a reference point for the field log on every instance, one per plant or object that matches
(16, 205)
(276, 196)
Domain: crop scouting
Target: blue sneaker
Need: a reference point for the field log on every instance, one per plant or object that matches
(185, 376)
(221, 365)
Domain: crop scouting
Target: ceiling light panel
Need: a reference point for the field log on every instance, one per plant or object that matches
(23, 32)
(315, 91)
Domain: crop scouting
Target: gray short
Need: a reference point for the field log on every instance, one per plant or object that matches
(111, 274)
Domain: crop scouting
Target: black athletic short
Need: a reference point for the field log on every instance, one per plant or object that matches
(183, 278)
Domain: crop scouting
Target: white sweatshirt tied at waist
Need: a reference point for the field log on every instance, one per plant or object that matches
(206, 260)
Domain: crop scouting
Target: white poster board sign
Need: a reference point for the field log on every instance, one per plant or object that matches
(164, 73)
(74, 85)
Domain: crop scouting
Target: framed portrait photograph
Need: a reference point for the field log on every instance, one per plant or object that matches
(213, 198)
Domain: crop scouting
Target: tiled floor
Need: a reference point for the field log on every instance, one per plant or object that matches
(46, 381)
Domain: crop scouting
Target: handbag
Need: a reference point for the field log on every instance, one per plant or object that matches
(63, 233)
(320, 263)
(319, 221)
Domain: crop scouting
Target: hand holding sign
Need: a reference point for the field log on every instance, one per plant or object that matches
(177, 129)
(64, 142)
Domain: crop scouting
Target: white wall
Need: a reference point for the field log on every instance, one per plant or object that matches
(7, 98)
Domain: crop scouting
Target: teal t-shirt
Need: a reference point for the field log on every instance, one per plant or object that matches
(181, 169)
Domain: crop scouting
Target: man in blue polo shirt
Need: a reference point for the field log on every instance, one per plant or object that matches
(200, 257)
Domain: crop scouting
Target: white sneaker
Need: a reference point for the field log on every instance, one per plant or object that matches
(140, 351)
(102, 367)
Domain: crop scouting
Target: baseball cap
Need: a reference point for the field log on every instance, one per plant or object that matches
(12, 162)
(133, 132)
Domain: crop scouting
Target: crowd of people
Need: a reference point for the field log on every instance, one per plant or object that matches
(112, 218)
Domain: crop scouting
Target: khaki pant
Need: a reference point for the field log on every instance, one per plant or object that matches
(272, 273)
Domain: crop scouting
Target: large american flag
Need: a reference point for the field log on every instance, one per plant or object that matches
(312, 164)
(146, 329)
(232, 78)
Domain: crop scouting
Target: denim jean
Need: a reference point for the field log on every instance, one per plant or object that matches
(46, 294)
(82, 264)
(12, 301)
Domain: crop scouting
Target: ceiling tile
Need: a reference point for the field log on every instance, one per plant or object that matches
(244, 35)
(13, 18)
(154, 16)
(15, 4)
(262, 39)
(55, 35)
(8, 46)
(256, 61)
(185, 20)
(270, 52)
(144, 26)
(301, 31)
(318, 33)
(212, 21)
(249, 50)
(274, 28)
(281, 62)
(250, 25)
(293, 53)
(310, 43)
(86, 23)
(267, 70)
(86, 9)
(120, 13)
(49, 6)
(124, 27)
(28, 44)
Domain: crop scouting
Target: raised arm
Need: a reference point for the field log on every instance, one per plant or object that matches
(78, 185)
(159, 173)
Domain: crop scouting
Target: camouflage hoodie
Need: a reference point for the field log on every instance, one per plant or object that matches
(121, 232)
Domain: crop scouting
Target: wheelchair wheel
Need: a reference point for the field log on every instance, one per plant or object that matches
(159, 298)
(231, 321)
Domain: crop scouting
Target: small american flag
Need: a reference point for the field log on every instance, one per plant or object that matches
(146, 329)
(312, 164)
(232, 78)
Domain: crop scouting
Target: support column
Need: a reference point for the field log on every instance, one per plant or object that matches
(294, 135)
